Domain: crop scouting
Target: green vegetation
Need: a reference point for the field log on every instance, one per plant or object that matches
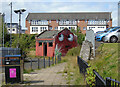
(6, 35)
(28, 71)
(71, 72)
(106, 60)
(80, 36)
(90, 76)
(74, 51)
(27, 44)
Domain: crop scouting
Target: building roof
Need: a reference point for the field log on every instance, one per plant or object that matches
(48, 34)
(69, 15)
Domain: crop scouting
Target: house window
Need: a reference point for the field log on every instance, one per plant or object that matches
(84, 28)
(34, 29)
(50, 28)
(50, 44)
(56, 28)
(40, 43)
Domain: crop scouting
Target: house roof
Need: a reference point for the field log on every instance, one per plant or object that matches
(47, 34)
(69, 16)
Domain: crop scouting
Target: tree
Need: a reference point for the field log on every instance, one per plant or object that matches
(6, 35)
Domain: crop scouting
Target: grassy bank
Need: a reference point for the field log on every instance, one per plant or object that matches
(71, 71)
(73, 75)
(106, 60)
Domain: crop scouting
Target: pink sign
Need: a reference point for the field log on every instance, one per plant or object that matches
(12, 72)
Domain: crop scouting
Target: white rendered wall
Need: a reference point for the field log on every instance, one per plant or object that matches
(66, 27)
(95, 29)
(39, 29)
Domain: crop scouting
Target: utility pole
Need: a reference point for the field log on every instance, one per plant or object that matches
(10, 23)
(3, 27)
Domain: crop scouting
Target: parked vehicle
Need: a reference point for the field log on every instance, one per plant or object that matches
(99, 32)
(113, 36)
(100, 36)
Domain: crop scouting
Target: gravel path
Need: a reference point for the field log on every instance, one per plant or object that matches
(47, 76)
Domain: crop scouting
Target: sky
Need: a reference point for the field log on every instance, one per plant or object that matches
(40, 6)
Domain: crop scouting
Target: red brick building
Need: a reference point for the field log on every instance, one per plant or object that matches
(48, 41)
(39, 22)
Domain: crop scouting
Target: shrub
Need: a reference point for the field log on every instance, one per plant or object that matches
(90, 76)
(74, 51)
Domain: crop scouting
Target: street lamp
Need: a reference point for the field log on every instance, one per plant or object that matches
(3, 16)
(20, 11)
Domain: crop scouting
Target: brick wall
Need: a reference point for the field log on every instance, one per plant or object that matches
(53, 24)
(40, 49)
(82, 24)
(28, 27)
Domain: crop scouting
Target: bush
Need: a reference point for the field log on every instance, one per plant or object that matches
(80, 36)
(74, 51)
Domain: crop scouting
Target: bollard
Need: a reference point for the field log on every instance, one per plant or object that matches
(44, 62)
(38, 63)
(49, 61)
(31, 63)
(52, 60)
(55, 59)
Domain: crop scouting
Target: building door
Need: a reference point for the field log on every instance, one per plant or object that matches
(45, 49)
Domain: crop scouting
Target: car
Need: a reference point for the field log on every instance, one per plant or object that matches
(100, 36)
(112, 37)
(99, 32)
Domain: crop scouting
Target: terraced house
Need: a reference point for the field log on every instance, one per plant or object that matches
(39, 22)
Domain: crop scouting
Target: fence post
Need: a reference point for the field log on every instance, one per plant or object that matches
(49, 61)
(38, 63)
(44, 62)
(78, 60)
(60, 57)
(31, 63)
(52, 60)
(55, 59)
(108, 82)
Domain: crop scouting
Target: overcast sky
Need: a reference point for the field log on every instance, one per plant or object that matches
(39, 6)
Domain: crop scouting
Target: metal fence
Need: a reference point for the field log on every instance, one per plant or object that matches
(38, 63)
(9, 51)
(112, 82)
(99, 81)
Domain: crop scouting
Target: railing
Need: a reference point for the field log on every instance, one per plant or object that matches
(112, 82)
(38, 63)
(82, 65)
(99, 81)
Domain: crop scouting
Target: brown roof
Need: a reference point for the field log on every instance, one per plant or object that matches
(69, 15)
(47, 34)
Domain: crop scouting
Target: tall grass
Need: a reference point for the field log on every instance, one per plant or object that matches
(72, 70)
(106, 60)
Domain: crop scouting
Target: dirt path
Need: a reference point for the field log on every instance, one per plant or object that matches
(48, 76)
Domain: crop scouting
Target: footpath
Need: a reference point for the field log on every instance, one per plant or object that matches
(49, 76)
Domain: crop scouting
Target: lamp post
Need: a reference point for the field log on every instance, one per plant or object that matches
(3, 16)
(20, 11)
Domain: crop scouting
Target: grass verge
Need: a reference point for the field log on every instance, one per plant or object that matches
(106, 60)
(72, 73)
